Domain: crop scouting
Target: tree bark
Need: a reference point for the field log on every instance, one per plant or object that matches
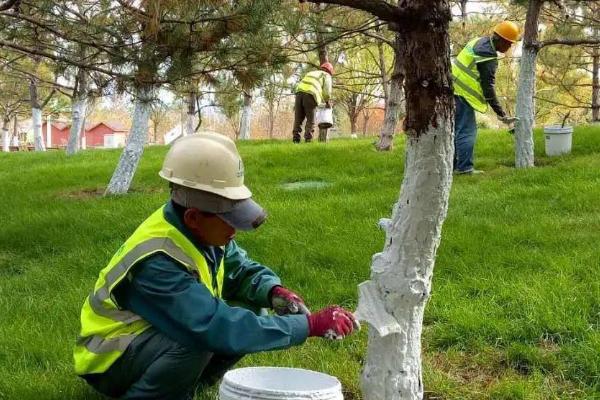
(78, 110)
(393, 302)
(5, 135)
(134, 148)
(394, 100)
(524, 150)
(190, 118)
(596, 85)
(246, 119)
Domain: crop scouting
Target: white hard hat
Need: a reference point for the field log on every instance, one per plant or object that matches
(209, 162)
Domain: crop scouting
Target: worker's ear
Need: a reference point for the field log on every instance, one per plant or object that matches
(191, 218)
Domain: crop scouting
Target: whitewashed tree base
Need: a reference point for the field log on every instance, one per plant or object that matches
(134, 148)
(524, 147)
(36, 119)
(393, 301)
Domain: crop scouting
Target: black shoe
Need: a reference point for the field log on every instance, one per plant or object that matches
(307, 140)
(296, 141)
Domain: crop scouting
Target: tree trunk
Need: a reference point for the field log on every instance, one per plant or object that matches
(323, 58)
(383, 70)
(394, 300)
(366, 117)
(190, 118)
(353, 125)
(134, 148)
(78, 110)
(524, 155)
(394, 100)
(36, 116)
(14, 140)
(596, 85)
(246, 119)
(5, 135)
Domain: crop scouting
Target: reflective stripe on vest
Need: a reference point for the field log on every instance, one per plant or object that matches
(313, 83)
(467, 82)
(106, 330)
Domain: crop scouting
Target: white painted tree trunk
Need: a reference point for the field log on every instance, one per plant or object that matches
(78, 110)
(401, 275)
(36, 120)
(246, 117)
(5, 135)
(134, 148)
(524, 156)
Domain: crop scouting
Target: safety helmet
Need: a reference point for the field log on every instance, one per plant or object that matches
(209, 162)
(327, 67)
(507, 30)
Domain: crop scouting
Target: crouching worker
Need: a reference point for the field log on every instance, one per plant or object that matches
(160, 323)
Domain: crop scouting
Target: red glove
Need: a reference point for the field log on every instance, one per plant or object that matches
(332, 322)
(284, 301)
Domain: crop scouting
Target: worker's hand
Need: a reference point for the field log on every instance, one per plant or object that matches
(332, 322)
(508, 120)
(327, 104)
(284, 301)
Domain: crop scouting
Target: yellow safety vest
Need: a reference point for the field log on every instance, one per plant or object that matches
(465, 75)
(106, 329)
(313, 83)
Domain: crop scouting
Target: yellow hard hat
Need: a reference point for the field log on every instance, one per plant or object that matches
(507, 30)
(208, 162)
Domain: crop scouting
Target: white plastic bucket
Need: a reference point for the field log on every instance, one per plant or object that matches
(558, 139)
(269, 383)
(324, 117)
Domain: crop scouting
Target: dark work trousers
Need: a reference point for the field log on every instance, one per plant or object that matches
(465, 133)
(157, 367)
(304, 107)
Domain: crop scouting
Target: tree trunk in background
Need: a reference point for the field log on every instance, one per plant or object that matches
(463, 12)
(14, 140)
(79, 108)
(5, 134)
(36, 116)
(246, 119)
(190, 117)
(385, 84)
(353, 125)
(394, 100)
(596, 85)
(134, 148)
(323, 58)
(524, 155)
(393, 302)
(366, 117)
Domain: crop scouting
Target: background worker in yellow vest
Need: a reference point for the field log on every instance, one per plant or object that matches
(160, 323)
(313, 90)
(474, 75)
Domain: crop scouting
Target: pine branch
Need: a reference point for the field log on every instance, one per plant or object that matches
(9, 4)
(567, 42)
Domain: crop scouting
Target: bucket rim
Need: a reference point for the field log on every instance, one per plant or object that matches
(336, 384)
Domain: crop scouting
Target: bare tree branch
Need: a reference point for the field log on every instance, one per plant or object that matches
(567, 42)
(380, 8)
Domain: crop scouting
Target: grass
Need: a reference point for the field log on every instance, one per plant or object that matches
(515, 310)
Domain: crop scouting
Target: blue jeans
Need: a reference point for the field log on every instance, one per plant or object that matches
(465, 132)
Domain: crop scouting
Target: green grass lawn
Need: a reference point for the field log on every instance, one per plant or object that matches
(515, 309)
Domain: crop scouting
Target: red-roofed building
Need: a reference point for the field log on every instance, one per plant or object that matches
(105, 134)
(59, 134)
